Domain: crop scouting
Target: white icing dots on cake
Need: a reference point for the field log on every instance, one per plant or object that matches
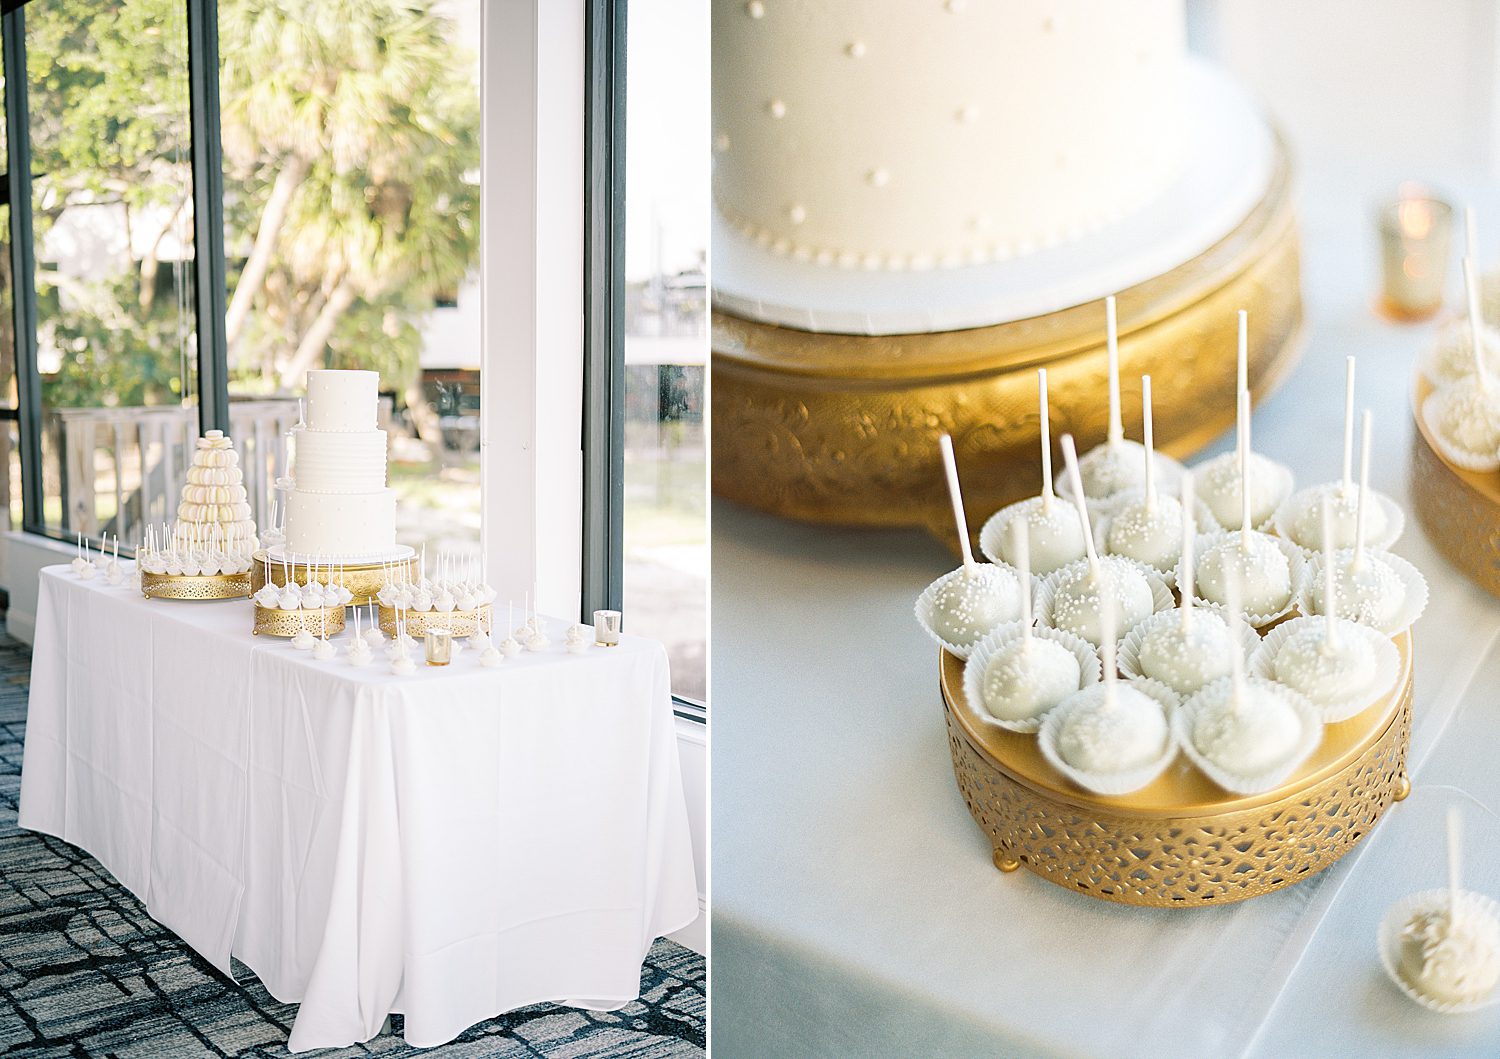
(1186, 658)
(797, 214)
(1027, 677)
(856, 49)
(1451, 959)
(1078, 598)
(755, 9)
(878, 177)
(776, 108)
(1103, 736)
(1248, 735)
(1263, 569)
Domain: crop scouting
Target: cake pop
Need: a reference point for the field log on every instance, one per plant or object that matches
(510, 646)
(577, 640)
(304, 640)
(1457, 350)
(1220, 479)
(1117, 465)
(1143, 526)
(480, 638)
(80, 561)
(1081, 593)
(1465, 414)
(1022, 675)
(113, 572)
(323, 650)
(402, 665)
(961, 606)
(1054, 533)
(491, 657)
(372, 634)
(1188, 647)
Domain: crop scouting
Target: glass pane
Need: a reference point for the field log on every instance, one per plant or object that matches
(351, 226)
(112, 216)
(666, 239)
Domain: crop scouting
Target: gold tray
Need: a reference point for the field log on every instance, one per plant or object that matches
(844, 428)
(199, 586)
(458, 622)
(271, 621)
(363, 579)
(1181, 841)
(1459, 510)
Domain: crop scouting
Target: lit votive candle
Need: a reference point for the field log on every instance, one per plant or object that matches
(439, 647)
(606, 628)
(1415, 233)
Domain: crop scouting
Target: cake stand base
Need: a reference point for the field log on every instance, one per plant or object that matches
(843, 428)
(1180, 842)
(362, 579)
(458, 622)
(1459, 510)
(195, 587)
(271, 621)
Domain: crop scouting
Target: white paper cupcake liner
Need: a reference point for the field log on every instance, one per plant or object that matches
(1161, 595)
(984, 651)
(1468, 459)
(1286, 483)
(923, 609)
(1298, 503)
(1415, 602)
(1129, 654)
(1312, 735)
(1380, 680)
(1388, 939)
(1295, 560)
(1112, 783)
(1202, 517)
(993, 533)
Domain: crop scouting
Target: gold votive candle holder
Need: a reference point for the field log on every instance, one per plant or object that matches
(1416, 232)
(606, 628)
(439, 644)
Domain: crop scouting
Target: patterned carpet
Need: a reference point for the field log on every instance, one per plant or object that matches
(84, 971)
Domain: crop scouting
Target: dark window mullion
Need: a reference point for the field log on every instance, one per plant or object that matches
(23, 266)
(210, 281)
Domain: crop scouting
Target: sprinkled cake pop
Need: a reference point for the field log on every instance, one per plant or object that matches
(1187, 647)
(1085, 592)
(1465, 413)
(964, 604)
(304, 640)
(1219, 479)
(1457, 354)
(1253, 561)
(1144, 527)
(1026, 675)
(1054, 534)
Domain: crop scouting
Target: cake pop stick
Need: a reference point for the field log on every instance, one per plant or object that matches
(950, 468)
(1455, 858)
(1244, 458)
(1357, 563)
(1150, 444)
(1471, 234)
(1107, 651)
(1189, 532)
(1046, 427)
(1242, 357)
(1112, 344)
(1476, 321)
(1330, 582)
(1021, 544)
(1070, 463)
(1348, 426)
(1236, 635)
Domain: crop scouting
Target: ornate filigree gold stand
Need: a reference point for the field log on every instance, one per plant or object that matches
(200, 587)
(364, 579)
(1459, 510)
(275, 622)
(844, 428)
(458, 622)
(1180, 842)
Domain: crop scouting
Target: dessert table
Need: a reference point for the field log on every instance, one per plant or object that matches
(856, 908)
(449, 845)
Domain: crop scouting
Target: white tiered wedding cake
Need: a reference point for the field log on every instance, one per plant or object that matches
(339, 506)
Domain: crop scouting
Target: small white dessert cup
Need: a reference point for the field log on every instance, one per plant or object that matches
(1468, 459)
(1379, 679)
(1312, 734)
(925, 602)
(1295, 567)
(1161, 595)
(1202, 517)
(985, 650)
(1129, 652)
(1109, 783)
(1300, 502)
(1412, 604)
(1389, 942)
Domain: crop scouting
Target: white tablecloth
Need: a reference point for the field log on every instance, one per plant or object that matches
(448, 845)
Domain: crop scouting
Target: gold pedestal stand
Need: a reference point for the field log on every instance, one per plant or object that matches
(1181, 841)
(1459, 510)
(458, 622)
(844, 428)
(272, 621)
(363, 579)
(199, 586)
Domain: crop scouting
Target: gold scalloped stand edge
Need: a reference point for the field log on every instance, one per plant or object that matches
(458, 622)
(362, 579)
(843, 429)
(1459, 510)
(201, 587)
(1180, 842)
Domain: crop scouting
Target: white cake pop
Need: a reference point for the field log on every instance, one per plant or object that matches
(1456, 354)
(402, 665)
(491, 657)
(304, 640)
(964, 604)
(1465, 413)
(1118, 464)
(357, 652)
(1144, 526)
(324, 650)
(537, 641)
(80, 560)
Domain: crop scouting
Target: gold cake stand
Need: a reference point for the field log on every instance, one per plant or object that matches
(362, 579)
(198, 586)
(844, 428)
(458, 622)
(272, 621)
(1459, 510)
(1181, 841)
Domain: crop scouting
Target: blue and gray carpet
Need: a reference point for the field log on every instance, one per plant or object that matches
(84, 971)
